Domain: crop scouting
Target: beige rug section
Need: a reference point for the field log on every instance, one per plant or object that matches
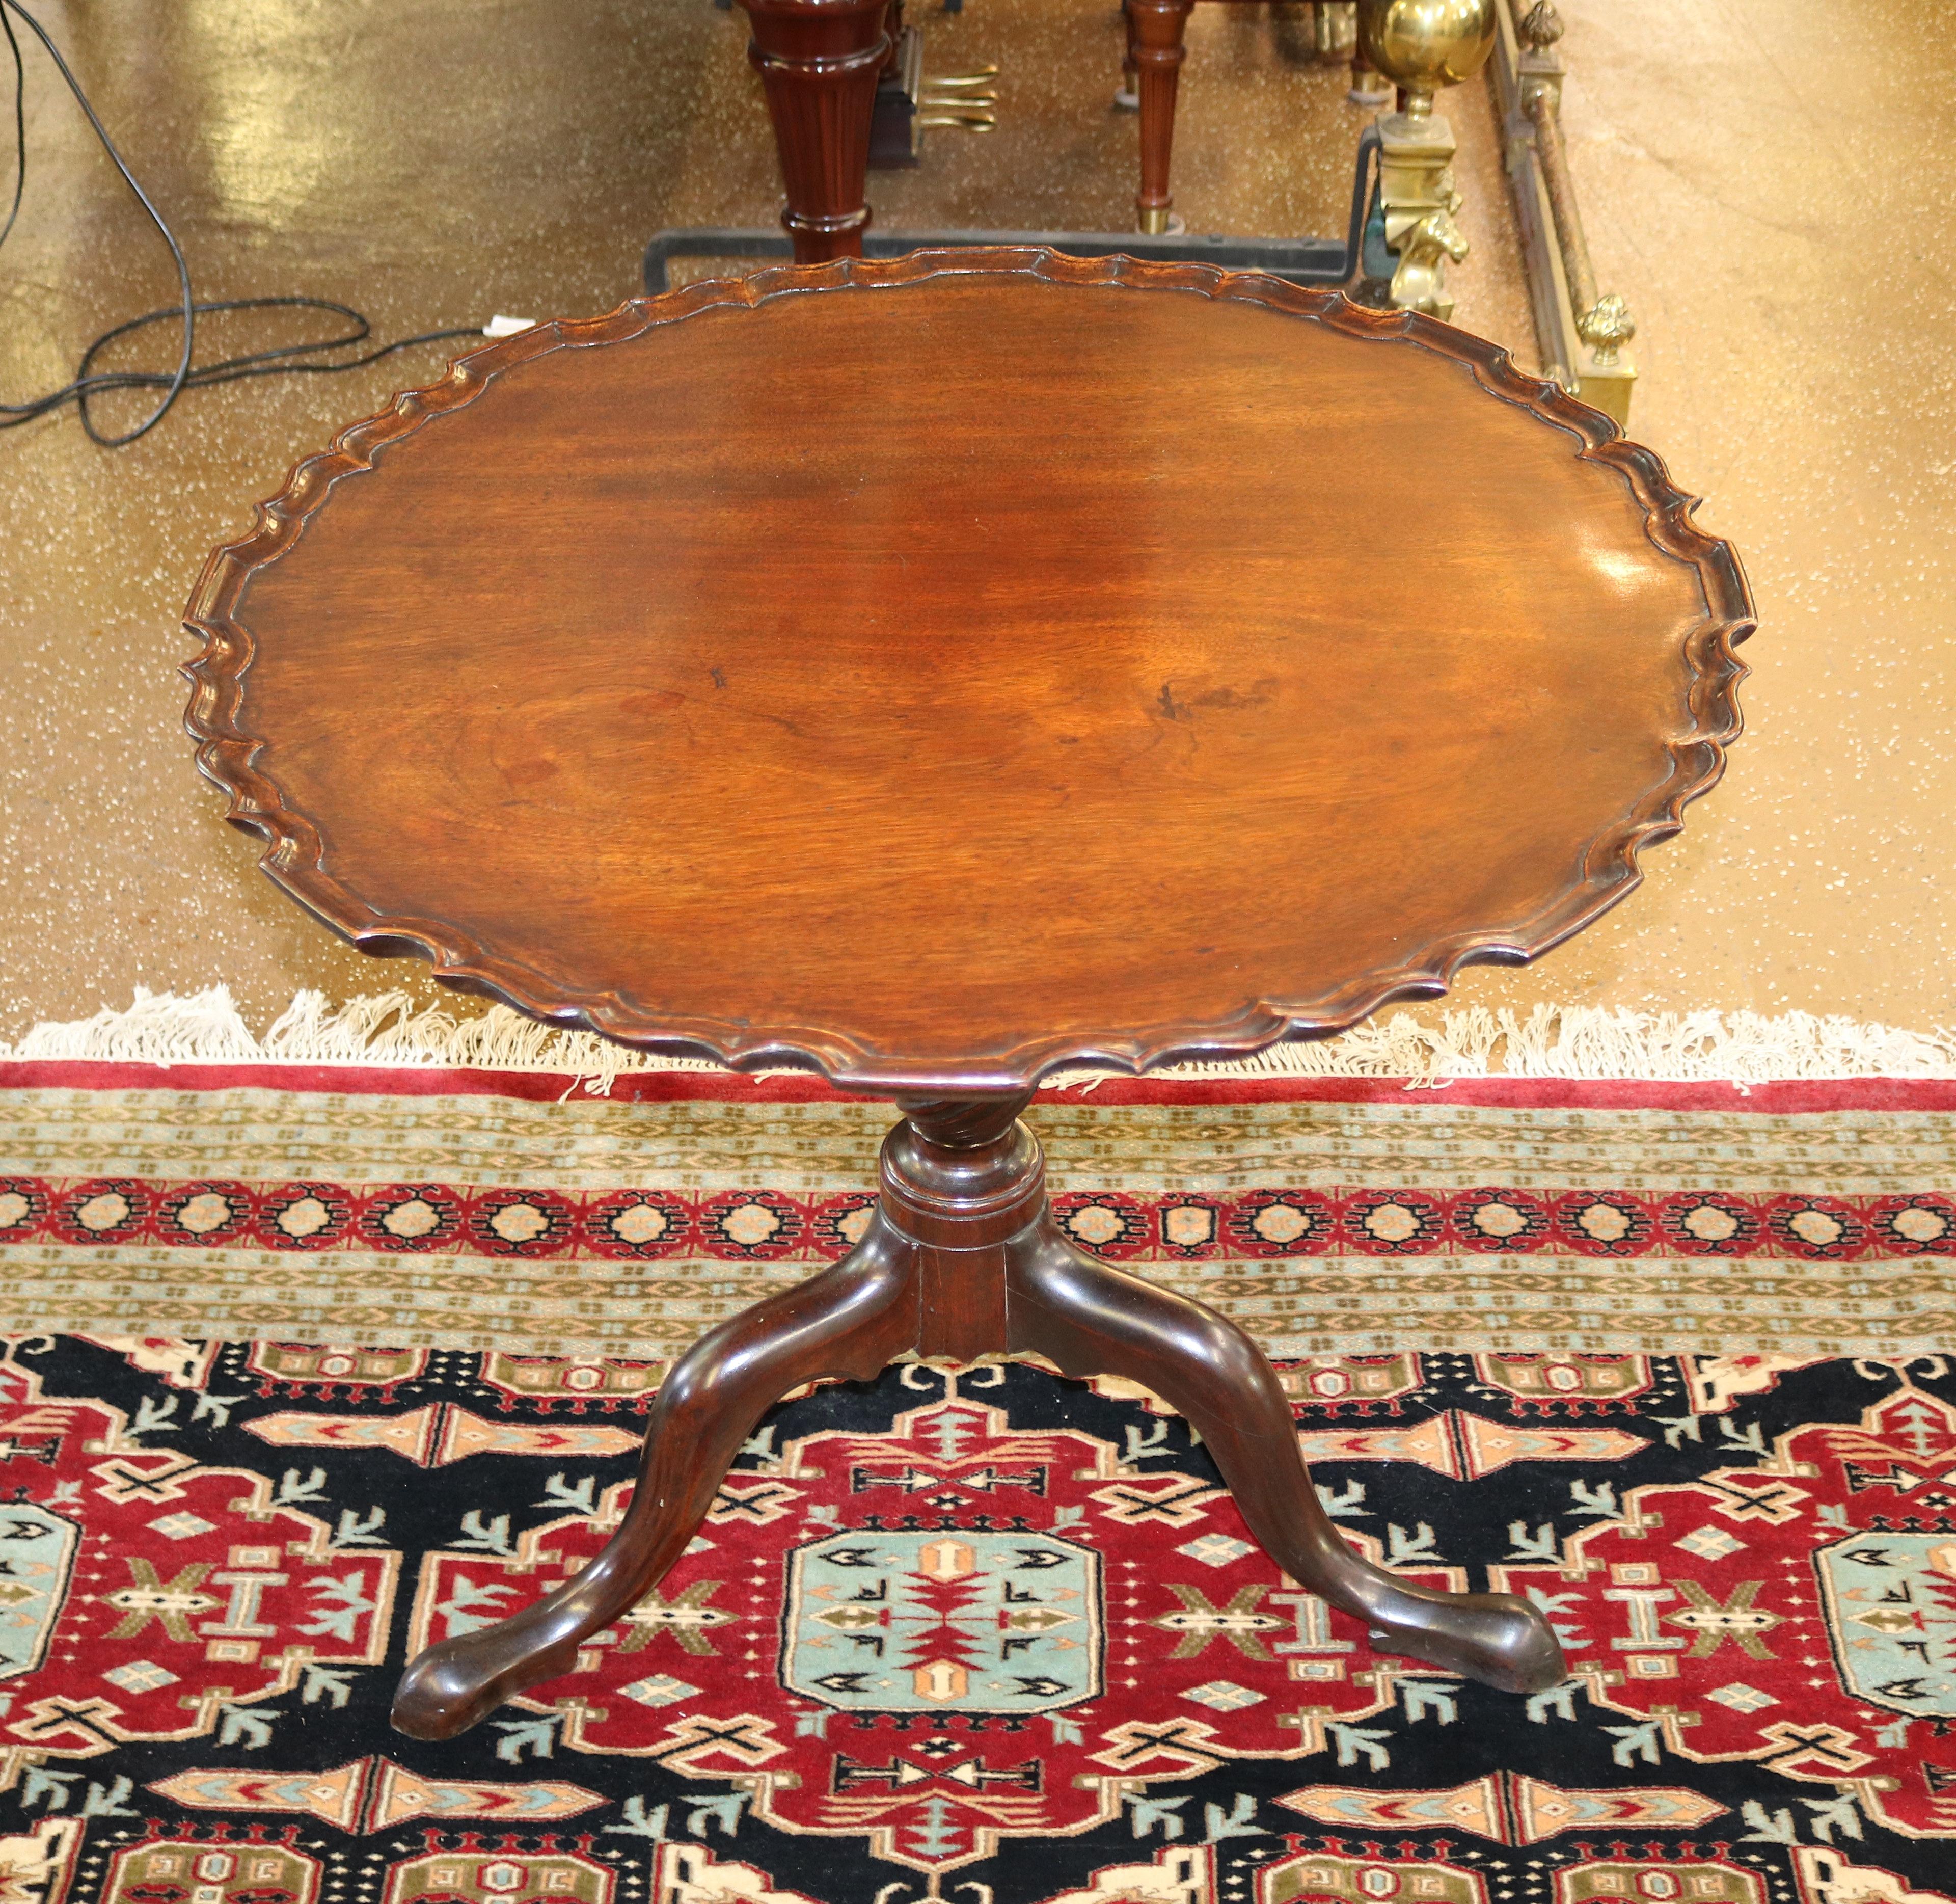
(1342, 1301)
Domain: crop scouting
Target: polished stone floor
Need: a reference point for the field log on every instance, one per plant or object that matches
(433, 162)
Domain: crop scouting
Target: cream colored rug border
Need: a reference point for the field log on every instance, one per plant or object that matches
(1337, 1303)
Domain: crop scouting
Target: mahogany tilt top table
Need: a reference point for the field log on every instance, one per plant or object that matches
(838, 668)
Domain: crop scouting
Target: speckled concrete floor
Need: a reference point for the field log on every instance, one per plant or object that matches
(1748, 181)
(432, 162)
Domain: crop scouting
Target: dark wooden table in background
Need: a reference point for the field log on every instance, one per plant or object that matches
(641, 675)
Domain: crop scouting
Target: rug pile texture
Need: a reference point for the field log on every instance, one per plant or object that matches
(310, 1367)
(522, 1210)
(978, 1634)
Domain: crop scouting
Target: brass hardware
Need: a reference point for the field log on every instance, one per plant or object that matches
(1334, 28)
(1539, 69)
(1154, 220)
(1603, 323)
(1582, 336)
(959, 99)
(1421, 45)
(1424, 44)
(1541, 26)
(1606, 328)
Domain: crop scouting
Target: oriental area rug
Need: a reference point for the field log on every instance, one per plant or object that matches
(309, 1366)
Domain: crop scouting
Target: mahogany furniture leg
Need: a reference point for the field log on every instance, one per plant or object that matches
(1091, 1319)
(820, 61)
(1155, 29)
(962, 1259)
(961, 1178)
(850, 1320)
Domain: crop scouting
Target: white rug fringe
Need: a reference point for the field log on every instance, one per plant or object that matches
(1581, 1042)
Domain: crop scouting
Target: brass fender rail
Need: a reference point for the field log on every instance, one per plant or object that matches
(1581, 334)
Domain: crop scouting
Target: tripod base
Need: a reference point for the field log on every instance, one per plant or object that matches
(962, 1259)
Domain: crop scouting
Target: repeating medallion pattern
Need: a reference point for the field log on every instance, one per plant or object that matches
(529, 1219)
(979, 1635)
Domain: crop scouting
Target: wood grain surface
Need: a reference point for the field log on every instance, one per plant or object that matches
(935, 671)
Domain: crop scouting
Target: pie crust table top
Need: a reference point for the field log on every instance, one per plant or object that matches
(935, 672)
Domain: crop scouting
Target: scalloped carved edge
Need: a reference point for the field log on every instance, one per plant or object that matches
(227, 754)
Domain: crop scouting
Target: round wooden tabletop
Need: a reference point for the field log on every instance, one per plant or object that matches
(935, 672)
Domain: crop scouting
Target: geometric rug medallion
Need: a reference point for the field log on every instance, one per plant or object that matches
(350, 1359)
(978, 1633)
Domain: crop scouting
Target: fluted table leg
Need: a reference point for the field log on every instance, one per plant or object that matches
(820, 61)
(1155, 29)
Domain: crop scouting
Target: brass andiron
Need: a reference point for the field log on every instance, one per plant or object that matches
(1421, 45)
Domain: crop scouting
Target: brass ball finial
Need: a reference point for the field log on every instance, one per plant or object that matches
(1541, 26)
(1424, 44)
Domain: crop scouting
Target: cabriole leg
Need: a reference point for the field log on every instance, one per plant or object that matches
(1090, 1319)
(961, 1259)
(848, 1320)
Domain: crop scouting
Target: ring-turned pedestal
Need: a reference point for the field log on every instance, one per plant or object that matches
(838, 668)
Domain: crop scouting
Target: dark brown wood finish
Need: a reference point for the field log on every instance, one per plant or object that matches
(819, 61)
(961, 1259)
(812, 55)
(1155, 31)
(643, 675)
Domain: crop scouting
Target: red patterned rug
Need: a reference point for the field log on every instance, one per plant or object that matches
(982, 1635)
(506, 1211)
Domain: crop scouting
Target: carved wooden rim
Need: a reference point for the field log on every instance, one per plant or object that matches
(227, 754)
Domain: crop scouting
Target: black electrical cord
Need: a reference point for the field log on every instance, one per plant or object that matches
(88, 383)
(19, 124)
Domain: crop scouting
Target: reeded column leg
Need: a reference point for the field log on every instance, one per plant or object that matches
(850, 1320)
(1091, 1318)
(820, 61)
(1155, 29)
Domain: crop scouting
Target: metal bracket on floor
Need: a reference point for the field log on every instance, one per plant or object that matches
(1297, 260)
